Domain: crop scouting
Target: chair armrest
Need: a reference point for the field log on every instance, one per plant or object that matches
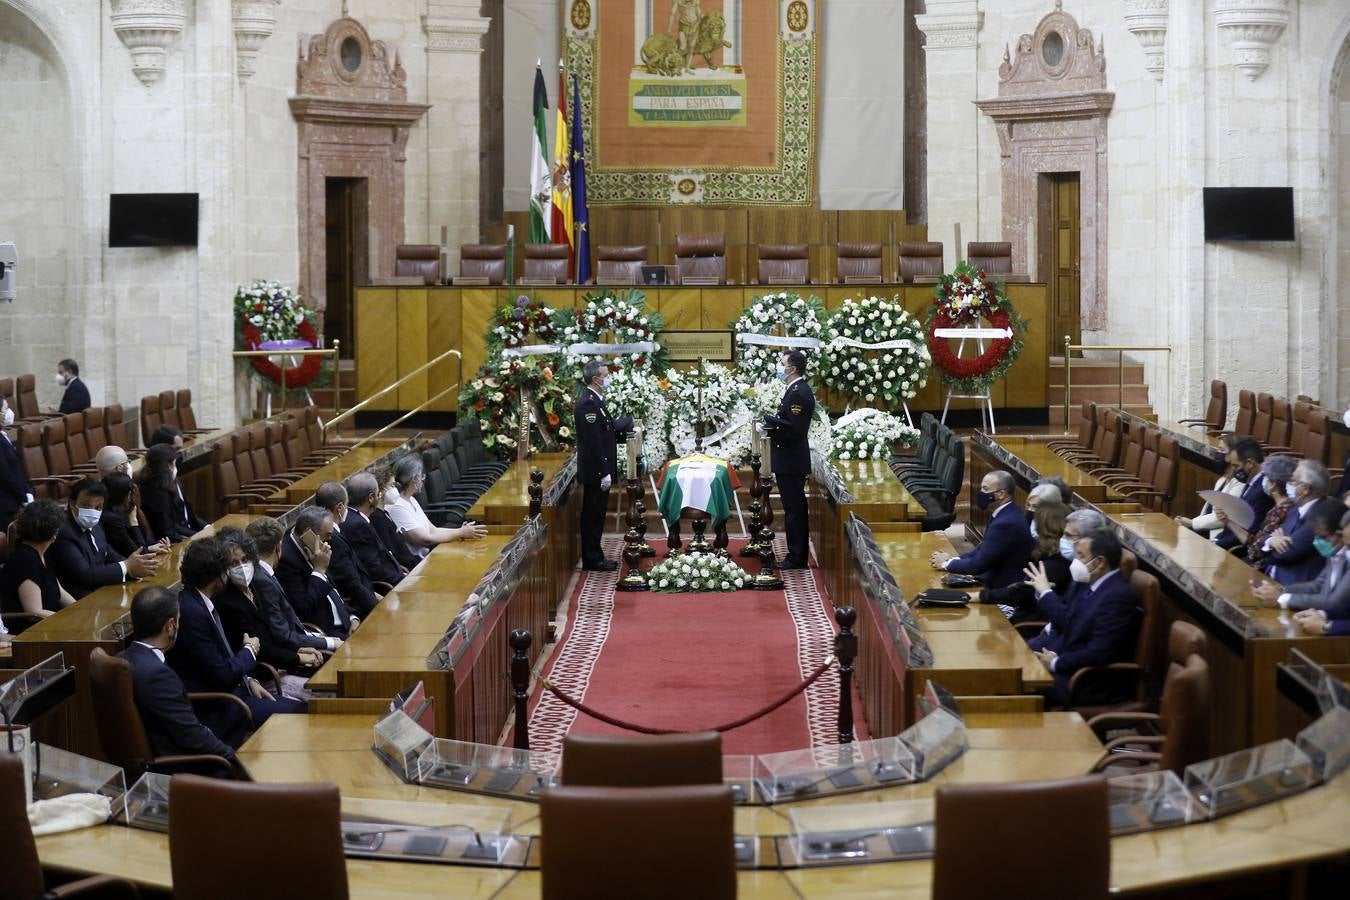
(1204, 422)
(383, 587)
(1142, 760)
(1029, 630)
(228, 698)
(1118, 670)
(231, 769)
(1127, 740)
(26, 619)
(272, 673)
(1122, 718)
(104, 887)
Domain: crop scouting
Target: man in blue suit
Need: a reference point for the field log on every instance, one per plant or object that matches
(202, 655)
(14, 488)
(1007, 544)
(1245, 459)
(76, 396)
(170, 721)
(81, 556)
(1095, 625)
(1293, 556)
(1331, 589)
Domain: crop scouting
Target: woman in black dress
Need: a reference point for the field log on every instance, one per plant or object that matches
(162, 500)
(120, 522)
(384, 526)
(26, 584)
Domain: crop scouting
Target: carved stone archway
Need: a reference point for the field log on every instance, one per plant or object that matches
(1050, 115)
(354, 120)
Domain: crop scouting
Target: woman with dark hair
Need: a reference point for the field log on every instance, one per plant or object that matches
(1018, 600)
(1276, 471)
(27, 585)
(166, 509)
(120, 520)
(383, 525)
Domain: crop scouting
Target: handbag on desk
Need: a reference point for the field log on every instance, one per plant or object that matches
(941, 597)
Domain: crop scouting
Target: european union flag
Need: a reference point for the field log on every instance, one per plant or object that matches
(580, 216)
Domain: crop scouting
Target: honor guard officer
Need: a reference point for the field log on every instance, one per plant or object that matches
(792, 454)
(597, 434)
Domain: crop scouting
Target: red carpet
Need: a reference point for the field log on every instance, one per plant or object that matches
(694, 661)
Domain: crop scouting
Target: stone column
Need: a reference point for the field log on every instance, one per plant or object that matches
(454, 31)
(951, 29)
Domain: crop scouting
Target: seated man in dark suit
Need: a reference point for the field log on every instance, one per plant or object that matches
(170, 721)
(285, 626)
(14, 488)
(1291, 556)
(345, 569)
(1330, 590)
(202, 655)
(1245, 460)
(76, 398)
(81, 556)
(302, 571)
(1095, 625)
(1007, 544)
(242, 614)
(374, 557)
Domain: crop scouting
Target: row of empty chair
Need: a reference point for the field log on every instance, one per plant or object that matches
(934, 475)
(1299, 427)
(168, 408)
(699, 257)
(56, 452)
(260, 459)
(1137, 459)
(457, 472)
(21, 393)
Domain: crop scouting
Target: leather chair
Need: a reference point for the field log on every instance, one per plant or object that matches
(232, 495)
(1216, 411)
(673, 842)
(701, 256)
(783, 264)
(122, 732)
(857, 261)
(54, 447)
(990, 257)
(1316, 439)
(30, 446)
(418, 261)
(239, 840)
(25, 401)
(1131, 677)
(114, 427)
(186, 418)
(921, 258)
(1281, 427)
(1181, 725)
(1246, 413)
(23, 879)
(1022, 840)
(547, 263)
(151, 417)
(615, 264)
(1087, 430)
(77, 445)
(593, 760)
(483, 261)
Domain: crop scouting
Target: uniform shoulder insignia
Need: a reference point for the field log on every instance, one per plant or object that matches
(590, 418)
(796, 409)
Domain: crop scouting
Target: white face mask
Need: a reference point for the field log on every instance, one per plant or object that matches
(1078, 570)
(1066, 548)
(1035, 535)
(1291, 491)
(242, 574)
(7, 417)
(59, 378)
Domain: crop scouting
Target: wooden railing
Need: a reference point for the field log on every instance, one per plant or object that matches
(1119, 350)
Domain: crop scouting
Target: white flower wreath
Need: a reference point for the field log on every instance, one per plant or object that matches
(722, 406)
(640, 395)
(696, 572)
(762, 399)
(618, 315)
(871, 434)
(888, 375)
(799, 317)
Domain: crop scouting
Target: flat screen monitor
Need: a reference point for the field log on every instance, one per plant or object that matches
(152, 220)
(1249, 214)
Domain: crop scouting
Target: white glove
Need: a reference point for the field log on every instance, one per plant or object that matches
(605, 483)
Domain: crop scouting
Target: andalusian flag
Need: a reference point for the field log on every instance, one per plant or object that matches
(541, 192)
(700, 482)
(561, 225)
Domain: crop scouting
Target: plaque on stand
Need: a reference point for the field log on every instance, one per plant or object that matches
(147, 803)
(936, 741)
(1327, 742)
(399, 743)
(838, 769)
(486, 769)
(859, 833)
(1250, 777)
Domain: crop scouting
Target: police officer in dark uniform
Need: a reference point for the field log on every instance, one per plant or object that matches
(597, 435)
(791, 461)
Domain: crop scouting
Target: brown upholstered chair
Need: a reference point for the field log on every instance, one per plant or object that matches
(1216, 411)
(122, 732)
(673, 842)
(547, 263)
(921, 258)
(992, 839)
(151, 417)
(1130, 677)
(1281, 427)
(593, 760)
(25, 400)
(231, 493)
(1246, 413)
(1087, 430)
(34, 462)
(701, 256)
(183, 416)
(857, 262)
(483, 261)
(990, 257)
(1316, 438)
(18, 851)
(615, 264)
(783, 264)
(418, 261)
(1181, 725)
(276, 828)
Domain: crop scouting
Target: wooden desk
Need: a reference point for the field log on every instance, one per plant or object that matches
(507, 502)
(1040, 461)
(339, 470)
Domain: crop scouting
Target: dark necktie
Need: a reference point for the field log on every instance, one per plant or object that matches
(220, 630)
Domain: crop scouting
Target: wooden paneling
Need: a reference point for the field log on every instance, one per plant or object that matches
(476, 310)
(443, 333)
(1028, 378)
(377, 339)
(412, 345)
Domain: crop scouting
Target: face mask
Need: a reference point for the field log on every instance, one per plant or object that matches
(1035, 535)
(1240, 476)
(242, 574)
(983, 499)
(1066, 548)
(1346, 418)
(1324, 546)
(1079, 571)
(781, 372)
(1291, 491)
(88, 518)
(59, 378)
(7, 417)
(604, 382)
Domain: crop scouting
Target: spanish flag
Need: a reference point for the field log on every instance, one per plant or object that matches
(561, 228)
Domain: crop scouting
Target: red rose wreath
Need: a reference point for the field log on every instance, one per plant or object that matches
(962, 298)
(298, 377)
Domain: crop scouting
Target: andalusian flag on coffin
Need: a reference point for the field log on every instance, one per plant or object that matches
(697, 482)
(541, 189)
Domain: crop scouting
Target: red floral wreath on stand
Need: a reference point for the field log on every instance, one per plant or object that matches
(977, 367)
(298, 377)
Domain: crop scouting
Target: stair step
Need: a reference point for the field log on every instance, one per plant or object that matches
(1134, 374)
(1101, 393)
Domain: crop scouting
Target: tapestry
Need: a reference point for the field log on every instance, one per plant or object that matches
(696, 101)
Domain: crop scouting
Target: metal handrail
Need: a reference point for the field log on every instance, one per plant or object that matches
(459, 378)
(332, 351)
(1119, 350)
(412, 412)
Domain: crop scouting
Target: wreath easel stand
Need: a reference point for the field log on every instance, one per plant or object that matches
(978, 335)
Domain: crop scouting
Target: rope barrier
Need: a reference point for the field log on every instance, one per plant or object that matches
(643, 729)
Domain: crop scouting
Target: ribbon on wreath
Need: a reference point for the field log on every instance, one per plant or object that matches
(531, 350)
(614, 349)
(776, 340)
(897, 344)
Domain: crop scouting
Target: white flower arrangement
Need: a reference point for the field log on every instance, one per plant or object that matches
(638, 394)
(686, 573)
(871, 434)
(620, 315)
(270, 307)
(722, 405)
(798, 317)
(884, 376)
(762, 399)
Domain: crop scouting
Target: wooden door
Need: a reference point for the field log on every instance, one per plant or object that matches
(1065, 221)
(346, 241)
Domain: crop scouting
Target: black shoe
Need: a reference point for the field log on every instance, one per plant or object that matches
(788, 565)
(602, 566)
